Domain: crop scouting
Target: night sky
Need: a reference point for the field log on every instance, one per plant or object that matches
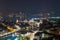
(30, 6)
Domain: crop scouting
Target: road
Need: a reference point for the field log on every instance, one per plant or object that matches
(17, 29)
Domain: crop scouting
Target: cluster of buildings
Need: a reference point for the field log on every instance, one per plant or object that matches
(23, 24)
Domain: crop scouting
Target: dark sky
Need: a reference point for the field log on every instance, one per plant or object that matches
(30, 6)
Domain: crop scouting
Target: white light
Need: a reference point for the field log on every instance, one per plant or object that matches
(16, 38)
(13, 35)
